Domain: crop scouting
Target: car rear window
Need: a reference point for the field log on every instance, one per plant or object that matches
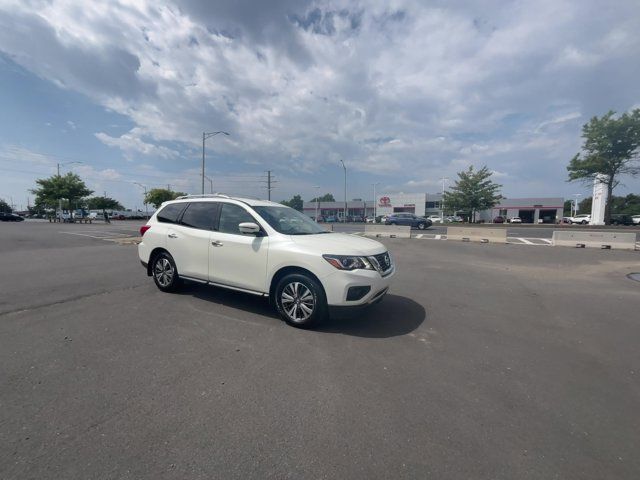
(170, 213)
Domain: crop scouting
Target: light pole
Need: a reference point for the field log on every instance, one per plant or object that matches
(210, 184)
(444, 179)
(344, 218)
(317, 187)
(60, 199)
(375, 202)
(206, 135)
(575, 203)
(146, 207)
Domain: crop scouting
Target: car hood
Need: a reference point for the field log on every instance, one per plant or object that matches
(340, 244)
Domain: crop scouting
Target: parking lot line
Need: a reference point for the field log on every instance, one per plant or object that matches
(99, 236)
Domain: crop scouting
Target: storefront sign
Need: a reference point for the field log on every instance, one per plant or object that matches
(385, 202)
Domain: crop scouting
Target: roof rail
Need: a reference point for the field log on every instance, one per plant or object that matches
(206, 195)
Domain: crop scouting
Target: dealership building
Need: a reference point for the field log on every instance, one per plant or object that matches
(530, 210)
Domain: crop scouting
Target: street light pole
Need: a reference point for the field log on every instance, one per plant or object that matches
(205, 136)
(375, 202)
(344, 218)
(146, 206)
(210, 184)
(317, 187)
(444, 179)
(575, 203)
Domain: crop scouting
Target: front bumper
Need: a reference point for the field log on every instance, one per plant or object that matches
(337, 285)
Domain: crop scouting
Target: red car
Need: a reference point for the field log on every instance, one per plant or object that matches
(498, 219)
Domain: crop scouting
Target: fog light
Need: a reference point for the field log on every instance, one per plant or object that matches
(356, 293)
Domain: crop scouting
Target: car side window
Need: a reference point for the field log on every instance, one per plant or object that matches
(231, 216)
(170, 213)
(200, 215)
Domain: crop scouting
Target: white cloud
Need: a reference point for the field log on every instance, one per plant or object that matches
(403, 89)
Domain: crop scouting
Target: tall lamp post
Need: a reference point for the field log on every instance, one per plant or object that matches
(60, 199)
(205, 136)
(210, 184)
(146, 206)
(575, 203)
(444, 179)
(344, 218)
(375, 201)
(317, 187)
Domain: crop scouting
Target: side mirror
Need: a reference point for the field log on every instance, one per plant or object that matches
(249, 228)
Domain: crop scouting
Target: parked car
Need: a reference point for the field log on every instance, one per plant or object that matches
(10, 217)
(454, 219)
(621, 219)
(635, 219)
(331, 219)
(582, 219)
(370, 220)
(435, 219)
(410, 219)
(267, 249)
(515, 220)
(565, 220)
(498, 219)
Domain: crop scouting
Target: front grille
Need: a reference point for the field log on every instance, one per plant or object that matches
(384, 262)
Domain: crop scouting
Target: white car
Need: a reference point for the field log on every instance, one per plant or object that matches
(266, 249)
(515, 220)
(435, 218)
(635, 219)
(582, 219)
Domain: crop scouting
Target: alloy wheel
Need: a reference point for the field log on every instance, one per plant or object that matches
(163, 272)
(297, 301)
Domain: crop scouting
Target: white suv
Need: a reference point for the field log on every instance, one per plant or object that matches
(267, 249)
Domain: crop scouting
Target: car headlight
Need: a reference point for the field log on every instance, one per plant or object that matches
(349, 262)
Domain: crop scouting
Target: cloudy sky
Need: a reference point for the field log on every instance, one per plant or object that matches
(404, 91)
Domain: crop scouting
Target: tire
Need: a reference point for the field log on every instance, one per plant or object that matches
(300, 300)
(583, 222)
(422, 226)
(165, 273)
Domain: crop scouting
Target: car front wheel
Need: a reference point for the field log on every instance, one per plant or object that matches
(165, 273)
(584, 222)
(422, 226)
(300, 300)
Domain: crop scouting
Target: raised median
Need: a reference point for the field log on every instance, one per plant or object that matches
(474, 234)
(392, 231)
(595, 239)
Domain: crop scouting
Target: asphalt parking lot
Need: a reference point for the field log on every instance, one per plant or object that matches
(484, 361)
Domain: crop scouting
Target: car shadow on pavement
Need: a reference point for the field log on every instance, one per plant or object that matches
(394, 316)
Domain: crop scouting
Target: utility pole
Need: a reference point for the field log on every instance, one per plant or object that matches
(344, 218)
(210, 184)
(575, 203)
(268, 184)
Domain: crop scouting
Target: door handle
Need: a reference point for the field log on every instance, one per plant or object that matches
(172, 235)
(216, 243)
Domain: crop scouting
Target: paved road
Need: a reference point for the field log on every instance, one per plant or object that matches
(525, 231)
(484, 361)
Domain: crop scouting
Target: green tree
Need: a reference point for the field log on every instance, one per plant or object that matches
(5, 207)
(473, 191)
(103, 203)
(295, 202)
(157, 196)
(50, 191)
(584, 206)
(567, 211)
(629, 205)
(327, 197)
(610, 149)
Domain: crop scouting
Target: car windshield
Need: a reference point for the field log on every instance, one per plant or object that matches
(289, 221)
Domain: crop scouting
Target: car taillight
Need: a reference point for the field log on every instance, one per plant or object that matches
(143, 229)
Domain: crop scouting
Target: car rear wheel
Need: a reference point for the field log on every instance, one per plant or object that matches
(422, 226)
(165, 273)
(300, 300)
(583, 222)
